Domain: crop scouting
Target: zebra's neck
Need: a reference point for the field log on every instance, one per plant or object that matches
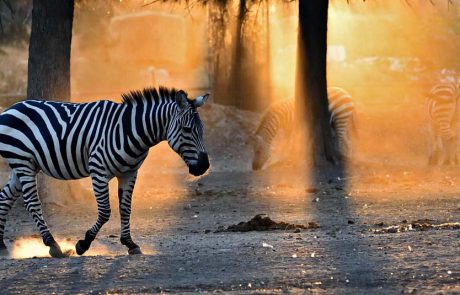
(268, 127)
(268, 134)
(147, 123)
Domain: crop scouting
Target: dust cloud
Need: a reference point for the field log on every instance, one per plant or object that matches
(29, 247)
(387, 55)
(119, 46)
(33, 247)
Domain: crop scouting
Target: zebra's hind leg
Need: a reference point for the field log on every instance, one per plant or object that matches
(125, 191)
(449, 151)
(101, 191)
(9, 194)
(32, 203)
(436, 151)
(434, 158)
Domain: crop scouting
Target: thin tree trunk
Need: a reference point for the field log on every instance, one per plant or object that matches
(49, 69)
(237, 80)
(218, 25)
(311, 85)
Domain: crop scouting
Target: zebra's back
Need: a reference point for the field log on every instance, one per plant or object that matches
(52, 136)
(279, 115)
(442, 107)
(341, 105)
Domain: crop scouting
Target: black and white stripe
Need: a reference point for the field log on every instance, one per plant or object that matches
(101, 139)
(443, 110)
(281, 116)
(342, 109)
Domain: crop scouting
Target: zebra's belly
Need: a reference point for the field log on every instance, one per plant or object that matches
(65, 169)
(75, 167)
(67, 177)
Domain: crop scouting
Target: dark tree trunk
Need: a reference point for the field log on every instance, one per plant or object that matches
(49, 50)
(311, 85)
(240, 78)
(239, 58)
(218, 27)
(49, 68)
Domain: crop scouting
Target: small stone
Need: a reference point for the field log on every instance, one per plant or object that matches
(311, 190)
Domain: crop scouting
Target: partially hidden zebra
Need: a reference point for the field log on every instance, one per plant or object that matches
(101, 139)
(444, 119)
(281, 116)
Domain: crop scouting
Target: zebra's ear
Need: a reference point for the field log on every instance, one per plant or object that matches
(200, 100)
(181, 99)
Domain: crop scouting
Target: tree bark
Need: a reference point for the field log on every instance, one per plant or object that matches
(49, 50)
(240, 78)
(239, 58)
(49, 69)
(311, 84)
(219, 21)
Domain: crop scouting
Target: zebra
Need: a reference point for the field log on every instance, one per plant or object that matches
(443, 114)
(103, 140)
(281, 116)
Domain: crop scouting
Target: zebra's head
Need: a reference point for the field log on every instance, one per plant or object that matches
(185, 133)
(261, 150)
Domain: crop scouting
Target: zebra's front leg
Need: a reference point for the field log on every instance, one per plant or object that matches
(28, 181)
(125, 191)
(101, 192)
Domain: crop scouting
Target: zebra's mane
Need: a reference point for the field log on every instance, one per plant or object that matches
(162, 94)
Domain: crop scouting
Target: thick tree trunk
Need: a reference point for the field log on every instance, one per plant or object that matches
(311, 86)
(49, 69)
(49, 50)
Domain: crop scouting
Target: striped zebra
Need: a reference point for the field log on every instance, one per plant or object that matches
(102, 139)
(444, 111)
(281, 116)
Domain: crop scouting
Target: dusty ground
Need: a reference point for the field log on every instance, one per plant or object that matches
(175, 224)
(175, 217)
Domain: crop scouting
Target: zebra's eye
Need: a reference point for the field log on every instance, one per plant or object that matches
(187, 129)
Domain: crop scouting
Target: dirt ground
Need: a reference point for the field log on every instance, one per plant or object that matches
(178, 220)
(175, 224)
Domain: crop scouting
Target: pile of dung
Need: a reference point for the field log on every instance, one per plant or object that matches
(265, 223)
(417, 225)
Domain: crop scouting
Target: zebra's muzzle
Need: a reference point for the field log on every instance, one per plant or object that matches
(201, 165)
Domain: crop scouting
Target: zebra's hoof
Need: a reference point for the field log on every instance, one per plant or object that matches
(135, 251)
(56, 252)
(81, 247)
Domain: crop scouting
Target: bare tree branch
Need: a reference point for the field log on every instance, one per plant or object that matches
(150, 3)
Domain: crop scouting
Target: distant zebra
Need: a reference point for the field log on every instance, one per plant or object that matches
(101, 139)
(281, 116)
(444, 116)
